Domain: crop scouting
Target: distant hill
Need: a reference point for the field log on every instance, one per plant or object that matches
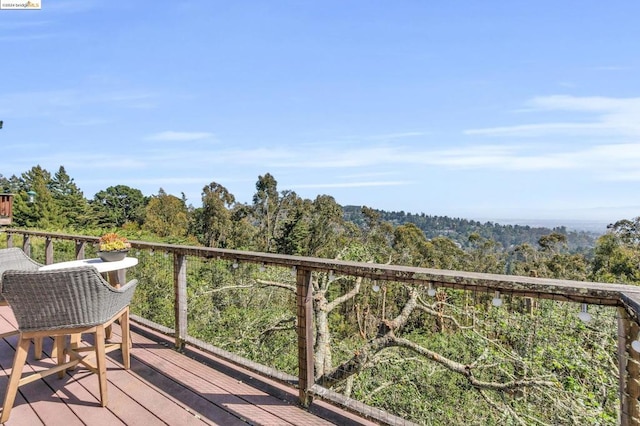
(458, 230)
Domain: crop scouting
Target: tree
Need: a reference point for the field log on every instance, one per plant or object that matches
(628, 231)
(292, 230)
(410, 245)
(266, 203)
(166, 215)
(377, 235)
(73, 206)
(43, 212)
(214, 219)
(553, 242)
(326, 228)
(118, 205)
(615, 261)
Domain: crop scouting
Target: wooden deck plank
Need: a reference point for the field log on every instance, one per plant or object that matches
(185, 373)
(66, 400)
(134, 401)
(186, 400)
(222, 371)
(163, 387)
(23, 413)
(73, 391)
(40, 397)
(319, 408)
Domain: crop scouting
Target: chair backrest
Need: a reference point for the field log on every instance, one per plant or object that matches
(63, 298)
(15, 258)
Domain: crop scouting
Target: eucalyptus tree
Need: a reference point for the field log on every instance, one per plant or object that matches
(410, 245)
(166, 215)
(326, 234)
(377, 235)
(266, 205)
(485, 255)
(617, 253)
(242, 235)
(291, 232)
(213, 221)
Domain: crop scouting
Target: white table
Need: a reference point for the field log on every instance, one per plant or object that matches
(115, 270)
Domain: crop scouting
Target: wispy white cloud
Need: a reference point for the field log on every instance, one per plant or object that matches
(608, 116)
(179, 136)
(605, 161)
(536, 130)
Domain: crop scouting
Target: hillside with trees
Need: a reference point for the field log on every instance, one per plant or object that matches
(459, 230)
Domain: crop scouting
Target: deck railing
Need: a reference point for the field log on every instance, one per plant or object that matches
(623, 298)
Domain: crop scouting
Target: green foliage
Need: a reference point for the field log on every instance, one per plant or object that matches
(119, 205)
(459, 230)
(166, 215)
(251, 312)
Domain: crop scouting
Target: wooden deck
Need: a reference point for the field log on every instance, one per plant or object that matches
(163, 387)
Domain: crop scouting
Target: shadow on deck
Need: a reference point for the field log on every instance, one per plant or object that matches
(162, 387)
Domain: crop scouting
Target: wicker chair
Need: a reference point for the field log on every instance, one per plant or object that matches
(65, 302)
(15, 258)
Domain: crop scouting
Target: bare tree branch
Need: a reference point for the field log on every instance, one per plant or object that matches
(350, 295)
(227, 287)
(362, 356)
(289, 287)
(502, 408)
(283, 324)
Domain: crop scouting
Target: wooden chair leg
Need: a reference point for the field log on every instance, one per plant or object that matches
(126, 339)
(61, 355)
(37, 347)
(75, 340)
(101, 364)
(14, 380)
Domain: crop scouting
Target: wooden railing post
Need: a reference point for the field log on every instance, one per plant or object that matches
(80, 250)
(629, 366)
(9, 240)
(26, 244)
(180, 300)
(48, 251)
(304, 303)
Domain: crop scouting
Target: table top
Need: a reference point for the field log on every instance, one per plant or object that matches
(98, 263)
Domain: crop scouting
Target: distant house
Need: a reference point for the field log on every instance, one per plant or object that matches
(6, 212)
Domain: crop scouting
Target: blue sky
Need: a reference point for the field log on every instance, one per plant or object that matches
(491, 110)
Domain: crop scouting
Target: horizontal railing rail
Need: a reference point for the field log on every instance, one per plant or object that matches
(625, 298)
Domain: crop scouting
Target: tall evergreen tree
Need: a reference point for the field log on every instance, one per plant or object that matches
(43, 212)
(73, 205)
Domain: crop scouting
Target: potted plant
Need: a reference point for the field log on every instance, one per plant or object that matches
(113, 247)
